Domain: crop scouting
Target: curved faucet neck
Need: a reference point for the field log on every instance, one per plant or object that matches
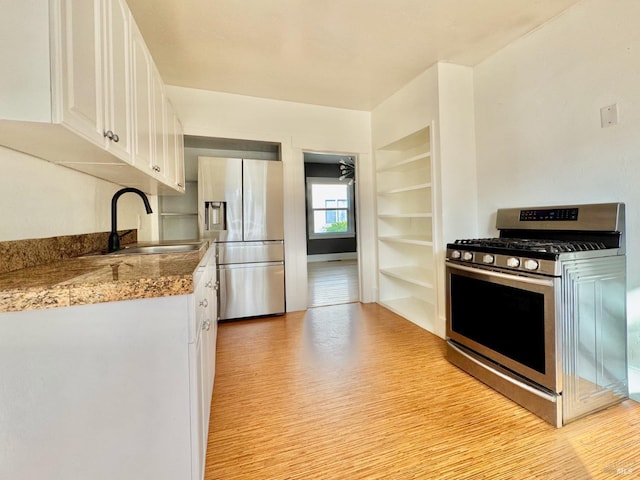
(114, 239)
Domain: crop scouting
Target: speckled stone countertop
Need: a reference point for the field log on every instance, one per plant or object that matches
(98, 278)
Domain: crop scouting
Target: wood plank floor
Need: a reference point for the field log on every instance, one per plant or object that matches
(355, 392)
(332, 283)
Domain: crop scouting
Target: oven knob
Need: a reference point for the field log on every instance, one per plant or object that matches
(513, 262)
(467, 256)
(455, 254)
(488, 258)
(531, 264)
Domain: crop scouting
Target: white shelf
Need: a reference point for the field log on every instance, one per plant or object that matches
(177, 214)
(405, 162)
(418, 276)
(405, 227)
(412, 308)
(410, 142)
(410, 188)
(411, 239)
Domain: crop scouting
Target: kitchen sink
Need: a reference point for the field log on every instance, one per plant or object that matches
(148, 249)
(141, 250)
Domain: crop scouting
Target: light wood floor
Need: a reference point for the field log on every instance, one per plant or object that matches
(355, 392)
(332, 283)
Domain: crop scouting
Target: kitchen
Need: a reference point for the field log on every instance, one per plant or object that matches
(529, 114)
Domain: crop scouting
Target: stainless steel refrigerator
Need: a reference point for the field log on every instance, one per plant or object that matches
(240, 206)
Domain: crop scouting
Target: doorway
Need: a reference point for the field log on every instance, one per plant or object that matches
(332, 257)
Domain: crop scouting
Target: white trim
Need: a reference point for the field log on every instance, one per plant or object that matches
(329, 257)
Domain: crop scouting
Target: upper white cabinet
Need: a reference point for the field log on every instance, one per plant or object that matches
(158, 144)
(95, 73)
(80, 55)
(175, 146)
(161, 153)
(117, 78)
(85, 97)
(143, 80)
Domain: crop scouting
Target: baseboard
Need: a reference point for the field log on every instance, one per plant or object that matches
(329, 257)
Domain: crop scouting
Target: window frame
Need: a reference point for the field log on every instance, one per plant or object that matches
(351, 233)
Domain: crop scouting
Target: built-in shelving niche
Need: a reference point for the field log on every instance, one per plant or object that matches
(179, 213)
(406, 270)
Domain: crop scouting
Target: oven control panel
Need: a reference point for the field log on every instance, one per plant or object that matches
(549, 215)
(506, 262)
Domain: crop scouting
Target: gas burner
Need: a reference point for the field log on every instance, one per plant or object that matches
(533, 245)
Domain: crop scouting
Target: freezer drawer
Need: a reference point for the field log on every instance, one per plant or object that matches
(250, 289)
(250, 252)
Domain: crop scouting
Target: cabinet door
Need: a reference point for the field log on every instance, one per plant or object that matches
(209, 335)
(81, 72)
(177, 127)
(143, 102)
(197, 410)
(179, 149)
(117, 79)
(208, 351)
(174, 145)
(162, 154)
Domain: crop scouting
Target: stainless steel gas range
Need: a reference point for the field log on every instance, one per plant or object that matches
(539, 313)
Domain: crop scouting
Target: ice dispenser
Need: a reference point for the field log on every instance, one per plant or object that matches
(215, 216)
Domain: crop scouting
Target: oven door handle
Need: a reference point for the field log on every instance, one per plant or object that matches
(547, 396)
(505, 276)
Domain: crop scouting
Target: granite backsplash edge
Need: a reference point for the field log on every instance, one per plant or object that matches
(19, 254)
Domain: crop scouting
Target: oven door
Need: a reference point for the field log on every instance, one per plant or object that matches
(510, 319)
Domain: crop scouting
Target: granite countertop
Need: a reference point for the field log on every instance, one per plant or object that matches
(99, 278)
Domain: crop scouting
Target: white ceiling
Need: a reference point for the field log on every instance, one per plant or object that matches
(342, 53)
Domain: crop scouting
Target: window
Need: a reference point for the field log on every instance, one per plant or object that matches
(330, 208)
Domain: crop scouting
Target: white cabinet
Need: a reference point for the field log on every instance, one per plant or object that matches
(81, 58)
(143, 119)
(406, 279)
(118, 390)
(159, 143)
(162, 155)
(175, 147)
(94, 74)
(82, 91)
(117, 84)
(202, 362)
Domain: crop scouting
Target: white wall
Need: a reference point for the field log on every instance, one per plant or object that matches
(539, 139)
(299, 128)
(408, 110)
(40, 199)
(456, 136)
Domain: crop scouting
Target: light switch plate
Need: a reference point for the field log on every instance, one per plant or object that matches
(609, 115)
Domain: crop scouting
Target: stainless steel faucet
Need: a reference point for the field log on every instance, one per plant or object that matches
(114, 238)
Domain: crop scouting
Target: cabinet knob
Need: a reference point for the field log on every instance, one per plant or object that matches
(204, 303)
(180, 185)
(116, 138)
(209, 284)
(156, 168)
(206, 325)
